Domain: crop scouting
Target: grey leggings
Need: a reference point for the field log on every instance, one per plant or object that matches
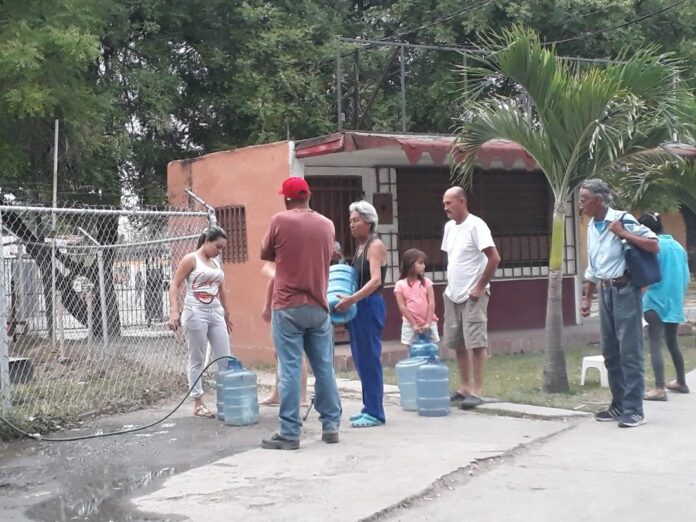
(203, 325)
(656, 331)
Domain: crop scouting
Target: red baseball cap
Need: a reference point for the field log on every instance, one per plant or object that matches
(295, 188)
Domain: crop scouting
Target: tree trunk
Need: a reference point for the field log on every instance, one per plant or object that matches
(690, 223)
(555, 376)
(73, 302)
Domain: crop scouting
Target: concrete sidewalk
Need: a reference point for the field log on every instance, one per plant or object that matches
(369, 472)
(467, 466)
(595, 471)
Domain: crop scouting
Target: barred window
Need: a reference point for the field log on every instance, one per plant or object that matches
(232, 219)
(331, 196)
(516, 206)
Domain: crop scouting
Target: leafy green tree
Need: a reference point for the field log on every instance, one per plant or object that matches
(581, 124)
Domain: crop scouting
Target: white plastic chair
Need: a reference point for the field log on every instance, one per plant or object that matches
(595, 361)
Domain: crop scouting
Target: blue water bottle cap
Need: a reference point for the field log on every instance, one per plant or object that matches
(234, 364)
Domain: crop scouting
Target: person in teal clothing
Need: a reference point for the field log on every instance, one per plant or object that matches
(663, 309)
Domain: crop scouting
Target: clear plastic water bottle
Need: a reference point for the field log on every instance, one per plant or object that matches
(406, 377)
(240, 395)
(432, 388)
(230, 367)
(422, 346)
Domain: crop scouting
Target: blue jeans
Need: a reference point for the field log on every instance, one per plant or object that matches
(620, 313)
(366, 348)
(305, 328)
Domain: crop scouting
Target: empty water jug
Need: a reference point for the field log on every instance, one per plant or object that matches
(432, 388)
(229, 366)
(422, 346)
(341, 283)
(240, 396)
(406, 378)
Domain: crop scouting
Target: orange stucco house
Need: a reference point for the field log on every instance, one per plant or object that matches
(404, 176)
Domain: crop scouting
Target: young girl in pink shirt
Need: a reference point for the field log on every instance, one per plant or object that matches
(415, 297)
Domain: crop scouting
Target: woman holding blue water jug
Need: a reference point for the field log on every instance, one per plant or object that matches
(205, 317)
(366, 328)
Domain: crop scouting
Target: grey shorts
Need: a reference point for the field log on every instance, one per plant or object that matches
(466, 324)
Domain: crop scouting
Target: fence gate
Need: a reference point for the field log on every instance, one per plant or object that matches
(84, 300)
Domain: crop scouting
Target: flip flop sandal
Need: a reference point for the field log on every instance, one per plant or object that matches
(655, 395)
(470, 402)
(355, 417)
(457, 397)
(674, 386)
(366, 421)
(269, 402)
(202, 411)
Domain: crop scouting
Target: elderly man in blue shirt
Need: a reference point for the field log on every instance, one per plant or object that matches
(620, 307)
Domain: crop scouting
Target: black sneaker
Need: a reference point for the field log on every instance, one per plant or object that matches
(612, 414)
(280, 443)
(631, 420)
(330, 437)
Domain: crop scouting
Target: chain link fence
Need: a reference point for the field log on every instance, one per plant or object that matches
(85, 306)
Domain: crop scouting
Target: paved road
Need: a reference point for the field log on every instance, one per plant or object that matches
(467, 466)
(594, 471)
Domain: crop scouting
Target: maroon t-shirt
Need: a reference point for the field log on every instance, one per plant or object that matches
(301, 244)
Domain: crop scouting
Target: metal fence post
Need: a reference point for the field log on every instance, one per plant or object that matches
(402, 53)
(102, 298)
(90, 313)
(60, 326)
(339, 87)
(4, 343)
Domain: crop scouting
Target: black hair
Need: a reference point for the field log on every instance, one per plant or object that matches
(212, 233)
(652, 221)
(408, 260)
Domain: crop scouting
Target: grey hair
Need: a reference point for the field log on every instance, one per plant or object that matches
(367, 212)
(598, 188)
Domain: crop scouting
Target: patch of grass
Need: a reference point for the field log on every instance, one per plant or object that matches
(518, 378)
(40, 407)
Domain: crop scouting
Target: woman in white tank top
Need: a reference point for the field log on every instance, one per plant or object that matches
(205, 317)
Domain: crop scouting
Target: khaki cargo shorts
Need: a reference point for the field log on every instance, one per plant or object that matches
(466, 324)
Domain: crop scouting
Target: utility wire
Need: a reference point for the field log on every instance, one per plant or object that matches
(620, 26)
(436, 21)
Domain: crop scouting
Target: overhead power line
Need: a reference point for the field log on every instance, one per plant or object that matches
(436, 21)
(620, 26)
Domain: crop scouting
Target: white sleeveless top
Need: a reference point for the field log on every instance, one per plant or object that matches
(203, 284)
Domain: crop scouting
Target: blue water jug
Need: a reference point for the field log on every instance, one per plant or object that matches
(231, 366)
(341, 282)
(240, 396)
(406, 378)
(432, 388)
(422, 346)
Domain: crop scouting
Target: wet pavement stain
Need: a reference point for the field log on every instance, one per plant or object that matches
(94, 480)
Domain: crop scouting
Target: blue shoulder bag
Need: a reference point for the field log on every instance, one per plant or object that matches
(643, 266)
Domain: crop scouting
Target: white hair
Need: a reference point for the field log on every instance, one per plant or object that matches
(598, 188)
(367, 212)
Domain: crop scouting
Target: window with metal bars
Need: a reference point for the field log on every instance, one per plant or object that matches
(232, 219)
(516, 206)
(331, 197)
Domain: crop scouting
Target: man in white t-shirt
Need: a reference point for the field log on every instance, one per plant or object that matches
(472, 260)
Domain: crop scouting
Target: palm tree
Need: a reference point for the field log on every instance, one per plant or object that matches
(576, 123)
(665, 188)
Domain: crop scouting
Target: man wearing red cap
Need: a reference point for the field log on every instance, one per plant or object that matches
(301, 242)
